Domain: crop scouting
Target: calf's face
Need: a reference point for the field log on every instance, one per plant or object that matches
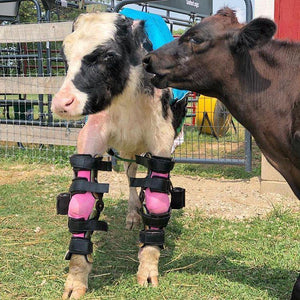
(200, 59)
(98, 53)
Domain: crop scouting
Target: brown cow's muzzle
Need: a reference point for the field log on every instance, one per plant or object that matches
(151, 65)
(147, 63)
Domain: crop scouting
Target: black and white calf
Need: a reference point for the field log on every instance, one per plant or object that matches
(106, 81)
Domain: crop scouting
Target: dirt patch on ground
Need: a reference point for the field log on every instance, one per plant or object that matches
(230, 199)
(18, 173)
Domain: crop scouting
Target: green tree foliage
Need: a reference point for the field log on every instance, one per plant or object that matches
(28, 12)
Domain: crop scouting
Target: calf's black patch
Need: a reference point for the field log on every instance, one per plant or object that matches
(103, 75)
(104, 72)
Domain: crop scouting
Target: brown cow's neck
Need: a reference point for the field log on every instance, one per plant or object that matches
(263, 77)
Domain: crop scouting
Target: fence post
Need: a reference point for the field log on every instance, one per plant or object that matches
(248, 151)
(248, 137)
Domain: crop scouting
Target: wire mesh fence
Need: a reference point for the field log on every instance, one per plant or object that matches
(210, 134)
(32, 70)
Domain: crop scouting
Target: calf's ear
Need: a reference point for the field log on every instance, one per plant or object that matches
(256, 33)
(140, 36)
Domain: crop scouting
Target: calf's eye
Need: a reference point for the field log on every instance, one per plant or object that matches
(110, 55)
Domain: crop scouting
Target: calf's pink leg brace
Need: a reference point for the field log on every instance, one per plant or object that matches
(81, 205)
(156, 188)
(84, 191)
(157, 203)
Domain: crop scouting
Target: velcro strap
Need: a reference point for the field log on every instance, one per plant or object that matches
(152, 237)
(81, 185)
(155, 220)
(156, 184)
(177, 198)
(81, 246)
(87, 162)
(81, 225)
(156, 163)
(62, 203)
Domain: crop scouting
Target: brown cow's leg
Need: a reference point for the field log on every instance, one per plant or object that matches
(91, 140)
(296, 290)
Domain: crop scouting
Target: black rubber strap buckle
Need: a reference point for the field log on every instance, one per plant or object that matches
(152, 237)
(78, 245)
(62, 203)
(81, 225)
(155, 220)
(81, 185)
(156, 163)
(87, 162)
(156, 184)
(177, 198)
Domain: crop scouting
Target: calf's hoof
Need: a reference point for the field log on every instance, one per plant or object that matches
(77, 281)
(148, 268)
(133, 220)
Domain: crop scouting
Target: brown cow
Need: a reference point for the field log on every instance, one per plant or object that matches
(257, 78)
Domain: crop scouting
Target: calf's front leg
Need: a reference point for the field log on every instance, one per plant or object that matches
(85, 191)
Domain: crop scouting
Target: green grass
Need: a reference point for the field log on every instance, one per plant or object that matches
(34, 153)
(59, 156)
(205, 258)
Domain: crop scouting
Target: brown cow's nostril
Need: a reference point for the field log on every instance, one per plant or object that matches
(147, 63)
(146, 59)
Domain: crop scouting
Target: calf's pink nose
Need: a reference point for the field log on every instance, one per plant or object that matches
(62, 102)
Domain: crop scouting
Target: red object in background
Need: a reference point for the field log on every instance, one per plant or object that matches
(287, 18)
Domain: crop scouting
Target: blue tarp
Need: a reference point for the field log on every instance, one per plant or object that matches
(158, 33)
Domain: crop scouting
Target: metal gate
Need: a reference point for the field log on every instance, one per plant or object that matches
(31, 71)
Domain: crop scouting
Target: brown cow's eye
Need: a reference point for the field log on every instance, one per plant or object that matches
(196, 40)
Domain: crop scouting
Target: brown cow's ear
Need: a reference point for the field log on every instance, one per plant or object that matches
(229, 13)
(257, 33)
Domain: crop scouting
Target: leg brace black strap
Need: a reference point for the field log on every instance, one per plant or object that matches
(87, 162)
(81, 225)
(156, 184)
(82, 185)
(152, 238)
(155, 220)
(156, 163)
(82, 246)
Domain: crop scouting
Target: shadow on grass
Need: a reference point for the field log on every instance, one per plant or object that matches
(115, 257)
(278, 282)
(116, 254)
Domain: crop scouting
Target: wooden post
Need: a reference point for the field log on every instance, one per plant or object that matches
(272, 181)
